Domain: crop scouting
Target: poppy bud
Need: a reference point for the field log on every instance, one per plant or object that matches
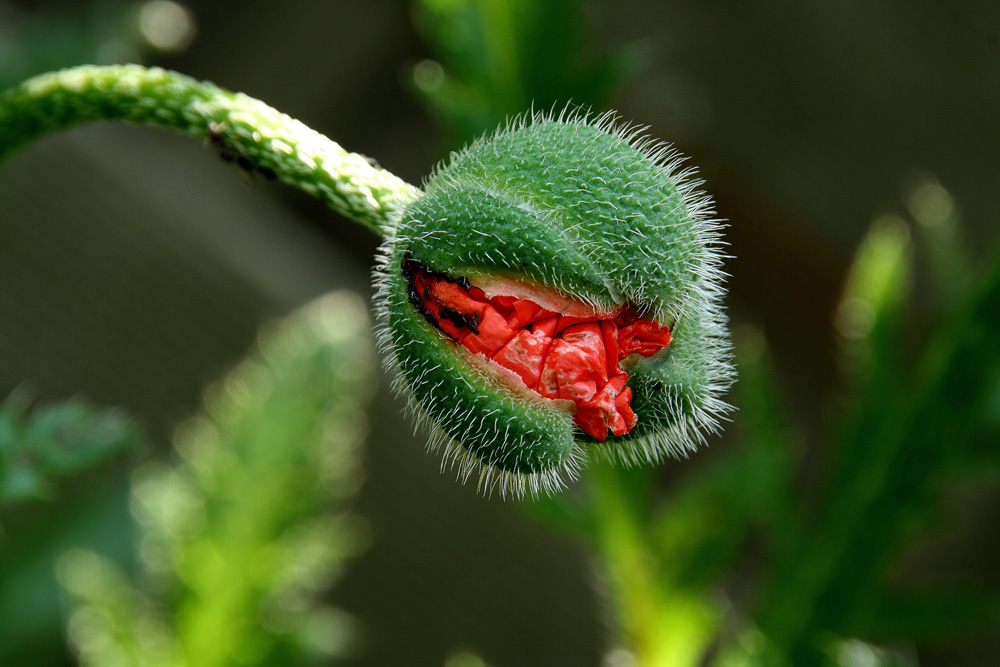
(554, 293)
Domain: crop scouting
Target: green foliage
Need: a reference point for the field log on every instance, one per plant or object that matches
(822, 590)
(41, 446)
(500, 57)
(911, 427)
(242, 535)
(35, 42)
(735, 564)
(920, 409)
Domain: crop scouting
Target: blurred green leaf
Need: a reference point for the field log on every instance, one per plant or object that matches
(40, 446)
(499, 58)
(661, 623)
(32, 42)
(894, 455)
(857, 653)
(951, 268)
(245, 532)
(870, 313)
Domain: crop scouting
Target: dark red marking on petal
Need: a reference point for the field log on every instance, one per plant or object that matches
(570, 357)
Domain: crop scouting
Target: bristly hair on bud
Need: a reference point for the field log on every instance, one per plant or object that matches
(555, 293)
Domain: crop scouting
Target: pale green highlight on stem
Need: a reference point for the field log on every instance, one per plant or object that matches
(298, 155)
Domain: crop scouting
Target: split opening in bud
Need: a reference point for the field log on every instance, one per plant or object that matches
(574, 354)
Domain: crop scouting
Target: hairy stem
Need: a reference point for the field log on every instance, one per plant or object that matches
(240, 127)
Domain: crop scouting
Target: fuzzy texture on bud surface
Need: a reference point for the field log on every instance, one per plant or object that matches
(555, 293)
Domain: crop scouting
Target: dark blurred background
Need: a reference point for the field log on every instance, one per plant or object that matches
(136, 267)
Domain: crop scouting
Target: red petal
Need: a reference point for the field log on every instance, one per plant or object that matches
(622, 401)
(494, 332)
(454, 296)
(504, 301)
(569, 372)
(609, 332)
(527, 311)
(643, 337)
(546, 326)
(525, 354)
(573, 357)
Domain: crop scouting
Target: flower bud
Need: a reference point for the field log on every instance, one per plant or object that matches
(555, 293)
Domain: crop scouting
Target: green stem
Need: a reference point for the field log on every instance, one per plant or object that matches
(663, 623)
(238, 125)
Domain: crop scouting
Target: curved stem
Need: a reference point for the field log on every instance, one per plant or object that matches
(239, 126)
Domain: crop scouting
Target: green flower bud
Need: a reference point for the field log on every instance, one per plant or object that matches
(554, 293)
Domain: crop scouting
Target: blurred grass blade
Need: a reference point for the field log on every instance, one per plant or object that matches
(242, 534)
(766, 467)
(894, 470)
(502, 57)
(869, 315)
(874, 358)
(40, 446)
(937, 217)
(661, 626)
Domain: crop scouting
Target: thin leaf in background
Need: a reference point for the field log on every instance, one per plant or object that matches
(909, 424)
(498, 58)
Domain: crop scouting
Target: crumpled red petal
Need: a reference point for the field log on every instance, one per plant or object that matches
(557, 356)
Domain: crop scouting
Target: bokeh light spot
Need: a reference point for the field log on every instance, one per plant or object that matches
(931, 205)
(855, 318)
(428, 75)
(167, 26)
